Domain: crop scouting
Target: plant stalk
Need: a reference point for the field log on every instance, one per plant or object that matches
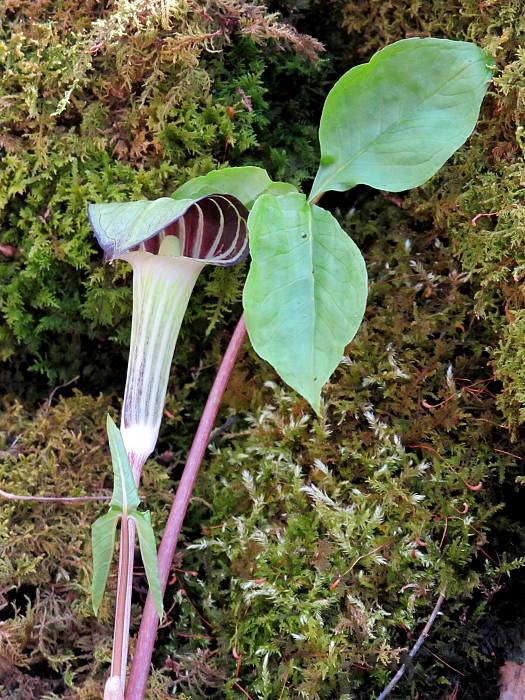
(119, 660)
(114, 689)
(120, 635)
(138, 678)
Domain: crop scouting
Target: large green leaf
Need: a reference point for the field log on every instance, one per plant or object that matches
(125, 494)
(306, 290)
(392, 123)
(103, 543)
(246, 183)
(148, 551)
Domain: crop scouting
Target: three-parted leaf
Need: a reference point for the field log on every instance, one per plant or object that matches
(246, 183)
(148, 551)
(103, 544)
(392, 123)
(306, 291)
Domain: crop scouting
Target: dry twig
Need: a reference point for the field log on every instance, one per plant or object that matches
(424, 634)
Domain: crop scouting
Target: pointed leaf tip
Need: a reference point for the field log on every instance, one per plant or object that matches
(125, 494)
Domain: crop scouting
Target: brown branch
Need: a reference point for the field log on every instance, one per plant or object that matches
(417, 646)
(47, 402)
(51, 499)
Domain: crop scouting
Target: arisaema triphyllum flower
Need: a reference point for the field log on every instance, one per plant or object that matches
(167, 242)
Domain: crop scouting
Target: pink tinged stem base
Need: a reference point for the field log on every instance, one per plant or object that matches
(113, 690)
(138, 678)
(162, 287)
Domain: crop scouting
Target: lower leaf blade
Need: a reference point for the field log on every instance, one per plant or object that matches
(103, 544)
(148, 551)
(306, 291)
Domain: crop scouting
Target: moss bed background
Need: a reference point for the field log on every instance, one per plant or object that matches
(314, 550)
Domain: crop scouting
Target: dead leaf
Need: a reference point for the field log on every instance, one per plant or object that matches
(121, 149)
(512, 681)
(9, 251)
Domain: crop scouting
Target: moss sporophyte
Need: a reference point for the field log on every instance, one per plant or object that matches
(390, 124)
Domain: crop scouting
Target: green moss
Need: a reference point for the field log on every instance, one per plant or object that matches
(113, 105)
(49, 630)
(313, 551)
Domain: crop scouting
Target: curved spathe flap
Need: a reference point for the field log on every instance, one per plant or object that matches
(211, 229)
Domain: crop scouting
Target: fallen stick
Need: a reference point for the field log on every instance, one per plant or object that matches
(51, 499)
(424, 634)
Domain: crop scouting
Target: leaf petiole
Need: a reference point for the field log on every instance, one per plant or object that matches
(124, 507)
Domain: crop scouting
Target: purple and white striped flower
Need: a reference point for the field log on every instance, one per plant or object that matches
(167, 242)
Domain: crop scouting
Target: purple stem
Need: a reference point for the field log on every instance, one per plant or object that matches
(138, 678)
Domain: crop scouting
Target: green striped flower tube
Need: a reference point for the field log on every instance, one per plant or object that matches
(167, 243)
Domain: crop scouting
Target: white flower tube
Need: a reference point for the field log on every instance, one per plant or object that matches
(162, 287)
(167, 243)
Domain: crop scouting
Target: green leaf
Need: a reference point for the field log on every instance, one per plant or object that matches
(148, 551)
(306, 290)
(125, 494)
(103, 543)
(392, 123)
(245, 183)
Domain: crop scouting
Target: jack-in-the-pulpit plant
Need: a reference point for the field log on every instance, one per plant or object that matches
(391, 124)
(167, 243)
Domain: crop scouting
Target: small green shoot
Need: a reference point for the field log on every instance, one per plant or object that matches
(124, 504)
